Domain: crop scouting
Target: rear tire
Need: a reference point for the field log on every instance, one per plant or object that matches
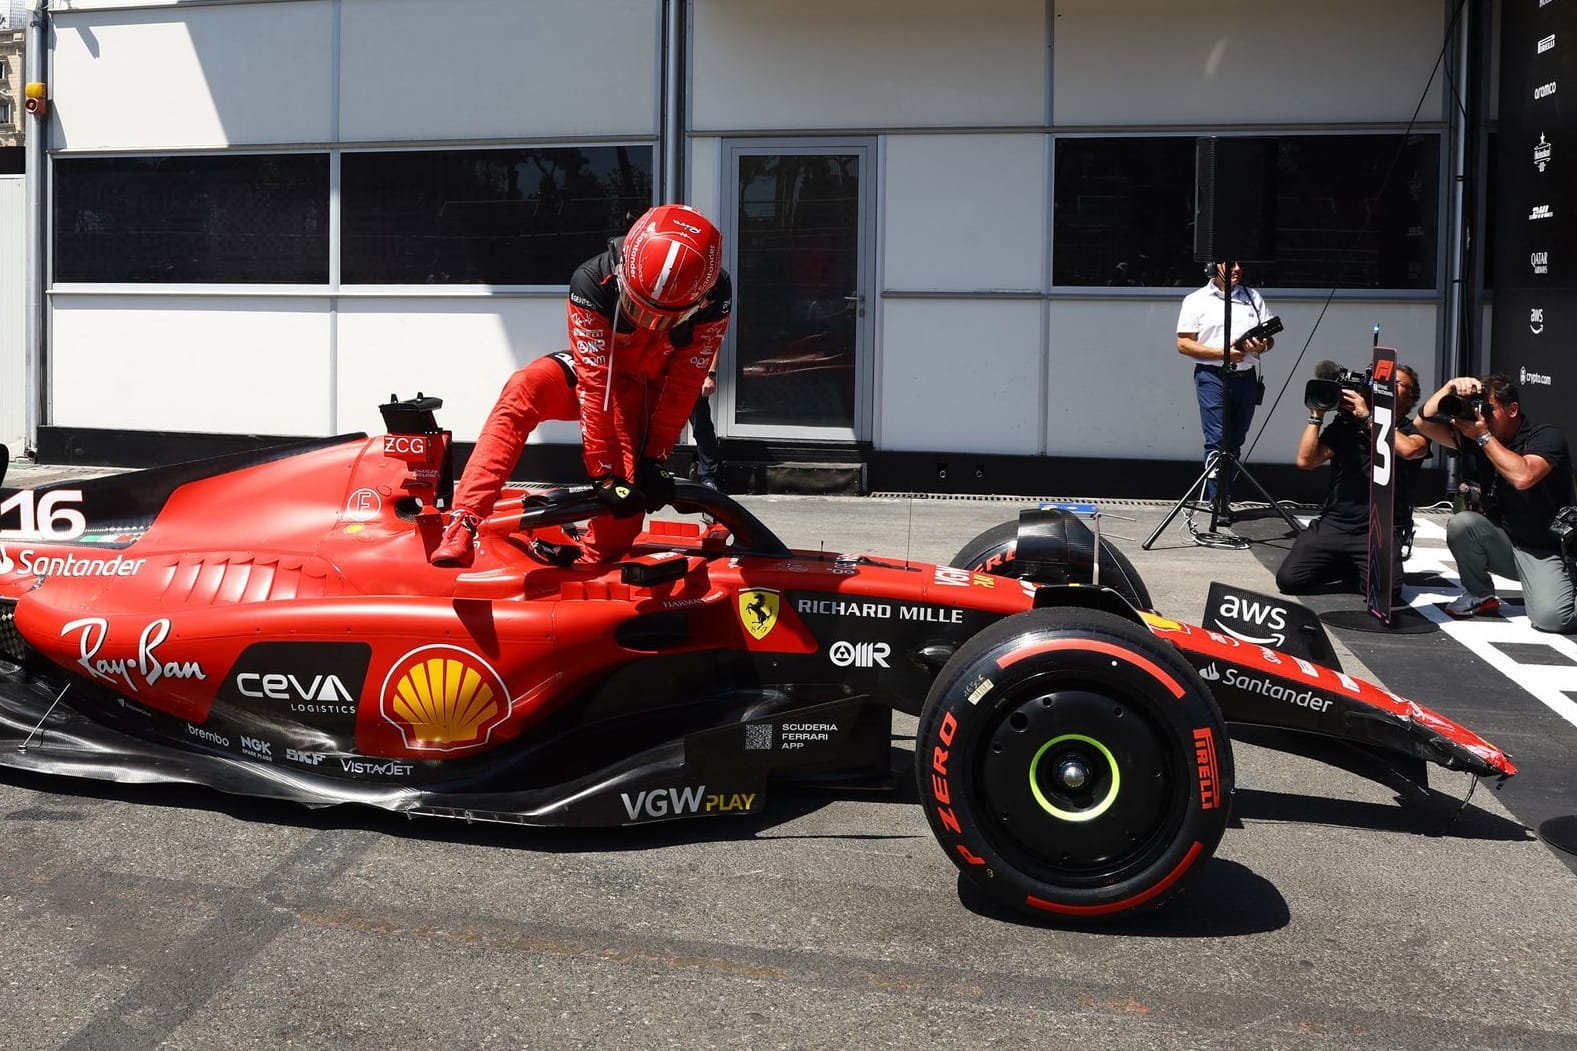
(995, 551)
(1073, 765)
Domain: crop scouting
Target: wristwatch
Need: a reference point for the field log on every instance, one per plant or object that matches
(1483, 439)
(1315, 419)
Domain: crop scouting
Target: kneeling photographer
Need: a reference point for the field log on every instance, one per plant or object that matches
(1524, 474)
(1333, 552)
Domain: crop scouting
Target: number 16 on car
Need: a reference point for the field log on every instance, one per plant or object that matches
(50, 515)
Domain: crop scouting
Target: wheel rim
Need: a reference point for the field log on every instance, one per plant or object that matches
(1083, 782)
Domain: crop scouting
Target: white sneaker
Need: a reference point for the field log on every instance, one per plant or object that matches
(1465, 605)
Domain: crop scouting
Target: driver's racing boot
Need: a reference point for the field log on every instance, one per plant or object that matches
(457, 547)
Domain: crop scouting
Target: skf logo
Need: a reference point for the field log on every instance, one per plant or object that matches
(860, 654)
(758, 611)
(443, 699)
(1209, 769)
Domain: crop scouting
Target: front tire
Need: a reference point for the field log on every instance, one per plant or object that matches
(1071, 764)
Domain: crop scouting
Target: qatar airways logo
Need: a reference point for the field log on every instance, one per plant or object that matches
(1540, 262)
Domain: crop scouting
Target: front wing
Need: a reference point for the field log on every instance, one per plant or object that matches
(1266, 687)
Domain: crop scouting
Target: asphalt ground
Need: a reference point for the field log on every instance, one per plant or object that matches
(1331, 916)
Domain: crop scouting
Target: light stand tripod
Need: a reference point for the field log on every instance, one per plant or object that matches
(1221, 459)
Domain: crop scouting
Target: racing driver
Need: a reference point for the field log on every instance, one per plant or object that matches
(646, 319)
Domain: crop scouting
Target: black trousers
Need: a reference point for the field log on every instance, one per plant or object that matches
(1326, 558)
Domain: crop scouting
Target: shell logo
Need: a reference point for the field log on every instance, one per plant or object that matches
(443, 699)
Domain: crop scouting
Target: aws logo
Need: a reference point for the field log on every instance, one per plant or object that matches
(758, 611)
(1262, 623)
(443, 699)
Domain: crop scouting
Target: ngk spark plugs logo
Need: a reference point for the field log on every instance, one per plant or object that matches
(443, 699)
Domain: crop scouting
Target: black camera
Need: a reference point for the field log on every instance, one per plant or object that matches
(1565, 525)
(1264, 330)
(1324, 392)
(1459, 407)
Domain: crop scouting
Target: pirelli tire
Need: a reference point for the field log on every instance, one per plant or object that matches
(994, 551)
(1073, 766)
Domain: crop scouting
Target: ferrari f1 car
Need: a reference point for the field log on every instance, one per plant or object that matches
(268, 624)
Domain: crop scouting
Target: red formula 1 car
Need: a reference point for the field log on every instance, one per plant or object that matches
(268, 624)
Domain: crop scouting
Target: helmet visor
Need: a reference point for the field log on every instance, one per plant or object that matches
(651, 317)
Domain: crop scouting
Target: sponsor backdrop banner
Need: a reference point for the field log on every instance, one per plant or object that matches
(1535, 264)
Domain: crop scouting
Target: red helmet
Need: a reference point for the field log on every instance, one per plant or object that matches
(672, 256)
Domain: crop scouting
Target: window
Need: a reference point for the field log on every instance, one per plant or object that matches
(254, 218)
(498, 217)
(5, 111)
(1353, 211)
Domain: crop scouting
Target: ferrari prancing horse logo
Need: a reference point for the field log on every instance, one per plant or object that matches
(758, 611)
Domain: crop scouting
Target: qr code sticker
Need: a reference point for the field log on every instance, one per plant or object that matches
(758, 737)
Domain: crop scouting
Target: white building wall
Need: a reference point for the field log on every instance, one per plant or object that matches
(841, 64)
(957, 96)
(497, 69)
(178, 76)
(224, 364)
(192, 77)
(460, 349)
(1276, 61)
(13, 300)
(1117, 386)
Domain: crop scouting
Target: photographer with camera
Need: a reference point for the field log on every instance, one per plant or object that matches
(1525, 477)
(1334, 550)
(1200, 337)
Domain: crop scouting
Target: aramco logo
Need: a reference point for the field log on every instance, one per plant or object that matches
(443, 699)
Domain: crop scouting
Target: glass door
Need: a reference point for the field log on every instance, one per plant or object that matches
(798, 239)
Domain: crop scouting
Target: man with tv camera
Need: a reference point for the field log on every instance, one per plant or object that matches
(1333, 552)
(1517, 514)
(1199, 336)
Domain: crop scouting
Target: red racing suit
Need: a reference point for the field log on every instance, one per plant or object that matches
(637, 387)
(636, 391)
(543, 390)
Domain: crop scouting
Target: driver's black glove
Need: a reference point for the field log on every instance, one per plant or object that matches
(622, 498)
(653, 479)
